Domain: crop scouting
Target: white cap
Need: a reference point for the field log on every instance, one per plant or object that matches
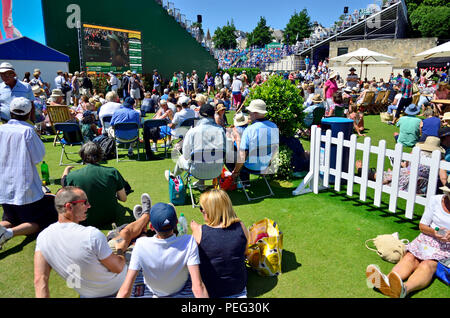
(183, 100)
(20, 106)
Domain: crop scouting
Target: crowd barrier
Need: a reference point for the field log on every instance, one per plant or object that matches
(318, 177)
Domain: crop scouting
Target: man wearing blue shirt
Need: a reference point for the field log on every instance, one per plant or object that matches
(10, 88)
(262, 134)
(126, 114)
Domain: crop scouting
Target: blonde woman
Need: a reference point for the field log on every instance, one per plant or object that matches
(222, 243)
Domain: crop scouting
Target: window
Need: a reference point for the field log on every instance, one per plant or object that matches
(342, 51)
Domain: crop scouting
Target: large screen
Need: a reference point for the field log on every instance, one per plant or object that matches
(22, 18)
(108, 49)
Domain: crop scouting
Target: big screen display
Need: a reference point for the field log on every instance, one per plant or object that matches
(108, 49)
(22, 18)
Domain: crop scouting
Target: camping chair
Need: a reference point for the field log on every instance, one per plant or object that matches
(385, 101)
(415, 98)
(265, 155)
(367, 102)
(72, 136)
(155, 123)
(205, 165)
(377, 105)
(106, 123)
(58, 114)
(183, 129)
(119, 130)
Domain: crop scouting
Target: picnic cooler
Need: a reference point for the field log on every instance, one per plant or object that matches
(265, 248)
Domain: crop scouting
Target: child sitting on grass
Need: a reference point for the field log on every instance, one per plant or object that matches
(358, 119)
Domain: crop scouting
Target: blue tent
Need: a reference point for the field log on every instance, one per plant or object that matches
(24, 48)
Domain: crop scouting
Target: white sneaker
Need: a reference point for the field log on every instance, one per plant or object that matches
(398, 289)
(375, 278)
(167, 175)
(3, 236)
(146, 203)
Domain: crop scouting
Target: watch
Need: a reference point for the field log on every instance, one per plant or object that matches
(120, 252)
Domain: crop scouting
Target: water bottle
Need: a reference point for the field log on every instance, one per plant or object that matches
(182, 225)
(440, 231)
(45, 174)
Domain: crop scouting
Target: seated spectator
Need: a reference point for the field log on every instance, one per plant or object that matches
(222, 243)
(219, 116)
(103, 185)
(26, 210)
(170, 264)
(316, 101)
(88, 127)
(112, 104)
(416, 269)
(358, 119)
(446, 120)
(181, 116)
(68, 247)
(409, 125)
(148, 105)
(396, 101)
(441, 93)
(430, 125)
(125, 114)
(337, 103)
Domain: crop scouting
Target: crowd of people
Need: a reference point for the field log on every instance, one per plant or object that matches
(147, 257)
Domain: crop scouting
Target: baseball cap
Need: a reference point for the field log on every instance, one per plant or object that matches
(183, 100)
(20, 106)
(207, 110)
(163, 217)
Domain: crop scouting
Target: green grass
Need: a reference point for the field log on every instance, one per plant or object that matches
(324, 254)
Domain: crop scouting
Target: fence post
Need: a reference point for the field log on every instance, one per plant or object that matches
(338, 168)
(395, 177)
(316, 174)
(326, 172)
(412, 184)
(351, 164)
(365, 169)
(380, 172)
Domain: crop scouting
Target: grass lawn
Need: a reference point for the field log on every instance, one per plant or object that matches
(324, 254)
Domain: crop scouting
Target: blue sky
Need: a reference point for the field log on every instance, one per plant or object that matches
(246, 13)
(27, 18)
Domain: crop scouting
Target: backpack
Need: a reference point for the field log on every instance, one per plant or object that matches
(108, 146)
(177, 190)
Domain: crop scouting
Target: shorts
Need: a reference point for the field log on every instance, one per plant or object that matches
(42, 212)
(135, 93)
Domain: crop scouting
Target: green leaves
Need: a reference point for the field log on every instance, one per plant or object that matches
(261, 35)
(429, 18)
(298, 27)
(225, 37)
(284, 104)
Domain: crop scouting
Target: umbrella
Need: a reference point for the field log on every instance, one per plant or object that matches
(367, 63)
(362, 55)
(438, 51)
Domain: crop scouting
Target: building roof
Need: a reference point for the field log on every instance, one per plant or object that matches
(24, 48)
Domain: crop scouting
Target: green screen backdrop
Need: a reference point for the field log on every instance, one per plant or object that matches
(166, 45)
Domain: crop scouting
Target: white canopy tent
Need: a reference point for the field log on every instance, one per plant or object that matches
(438, 51)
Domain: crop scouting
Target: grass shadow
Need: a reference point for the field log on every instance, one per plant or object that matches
(18, 248)
(289, 262)
(259, 285)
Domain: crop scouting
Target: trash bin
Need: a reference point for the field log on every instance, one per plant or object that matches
(336, 124)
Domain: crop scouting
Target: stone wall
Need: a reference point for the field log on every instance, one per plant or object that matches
(402, 49)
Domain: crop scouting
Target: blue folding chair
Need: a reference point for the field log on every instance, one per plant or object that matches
(72, 136)
(126, 134)
(106, 120)
(155, 123)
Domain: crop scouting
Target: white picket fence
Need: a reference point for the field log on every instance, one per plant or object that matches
(320, 171)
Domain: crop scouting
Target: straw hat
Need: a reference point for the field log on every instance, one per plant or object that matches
(57, 93)
(317, 99)
(431, 144)
(332, 74)
(446, 116)
(220, 107)
(37, 90)
(257, 106)
(240, 119)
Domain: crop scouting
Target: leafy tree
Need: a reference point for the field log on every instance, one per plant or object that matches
(261, 35)
(429, 17)
(299, 26)
(225, 37)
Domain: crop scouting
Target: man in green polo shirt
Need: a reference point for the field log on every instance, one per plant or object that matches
(102, 185)
(409, 133)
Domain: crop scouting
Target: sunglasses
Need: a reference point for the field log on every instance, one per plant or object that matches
(201, 209)
(85, 202)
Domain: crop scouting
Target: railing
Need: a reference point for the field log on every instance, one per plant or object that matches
(318, 177)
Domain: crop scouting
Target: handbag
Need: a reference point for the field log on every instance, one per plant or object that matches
(226, 181)
(389, 247)
(443, 271)
(177, 190)
(265, 248)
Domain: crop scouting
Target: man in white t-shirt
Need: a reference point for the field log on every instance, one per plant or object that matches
(182, 115)
(166, 260)
(112, 104)
(236, 90)
(226, 80)
(81, 255)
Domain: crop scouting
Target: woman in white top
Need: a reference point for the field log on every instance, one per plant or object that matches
(419, 264)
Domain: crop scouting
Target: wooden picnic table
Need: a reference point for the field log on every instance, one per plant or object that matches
(445, 102)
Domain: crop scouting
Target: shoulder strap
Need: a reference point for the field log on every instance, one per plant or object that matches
(369, 248)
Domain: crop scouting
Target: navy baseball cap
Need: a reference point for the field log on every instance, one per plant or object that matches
(128, 102)
(163, 217)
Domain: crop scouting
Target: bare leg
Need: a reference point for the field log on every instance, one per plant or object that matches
(21, 229)
(422, 276)
(131, 231)
(406, 266)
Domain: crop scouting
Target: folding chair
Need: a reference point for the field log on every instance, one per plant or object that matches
(154, 123)
(385, 101)
(58, 114)
(415, 98)
(367, 102)
(72, 136)
(205, 165)
(121, 131)
(377, 105)
(264, 155)
(106, 123)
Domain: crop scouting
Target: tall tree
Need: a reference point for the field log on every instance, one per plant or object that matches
(429, 17)
(225, 37)
(298, 27)
(261, 35)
